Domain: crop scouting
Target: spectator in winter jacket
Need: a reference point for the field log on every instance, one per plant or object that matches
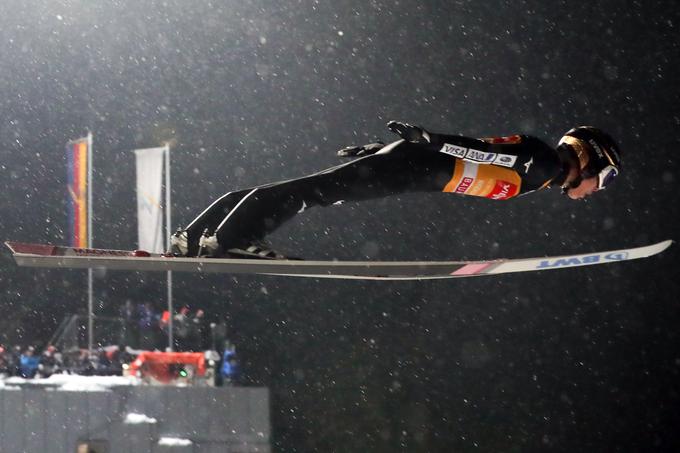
(14, 361)
(50, 362)
(181, 329)
(197, 332)
(230, 370)
(147, 321)
(4, 362)
(28, 363)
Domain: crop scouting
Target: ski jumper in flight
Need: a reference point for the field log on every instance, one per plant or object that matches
(585, 160)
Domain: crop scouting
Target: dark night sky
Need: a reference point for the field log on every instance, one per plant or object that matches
(253, 91)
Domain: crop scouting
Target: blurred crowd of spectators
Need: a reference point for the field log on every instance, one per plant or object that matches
(147, 328)
(142, 329)
(27, 363)
(106, 361)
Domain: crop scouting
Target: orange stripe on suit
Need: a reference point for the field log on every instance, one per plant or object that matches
(483, 180)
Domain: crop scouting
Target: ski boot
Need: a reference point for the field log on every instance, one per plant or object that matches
(179, 244)
(208, 246)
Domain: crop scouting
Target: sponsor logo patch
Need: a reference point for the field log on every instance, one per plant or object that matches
(596, 147)
(506, 160)
(581, 260)
(464, 185)
(454, 150)
(99, 252)
(475, 155)
(502, 190)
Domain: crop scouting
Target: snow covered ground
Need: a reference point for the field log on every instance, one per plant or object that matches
(71, 382)
(134, 418)
(174, 442)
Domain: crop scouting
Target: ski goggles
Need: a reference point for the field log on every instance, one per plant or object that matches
(606, 176)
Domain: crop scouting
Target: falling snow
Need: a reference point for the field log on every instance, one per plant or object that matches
(255, 91)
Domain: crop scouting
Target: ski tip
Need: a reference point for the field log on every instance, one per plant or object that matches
(663, 245)
(655, 249)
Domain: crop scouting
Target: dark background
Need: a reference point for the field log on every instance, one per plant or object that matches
(250, 92)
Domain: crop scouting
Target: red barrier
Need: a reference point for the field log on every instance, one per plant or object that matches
(162, 366)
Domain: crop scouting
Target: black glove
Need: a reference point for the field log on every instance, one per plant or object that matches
(364, 150)
(413, 134)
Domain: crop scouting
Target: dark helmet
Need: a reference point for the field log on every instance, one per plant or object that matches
(597, 153)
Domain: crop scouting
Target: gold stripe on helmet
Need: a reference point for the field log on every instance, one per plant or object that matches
(579, 148)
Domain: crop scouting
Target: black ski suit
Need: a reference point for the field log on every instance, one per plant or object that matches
(496, 168)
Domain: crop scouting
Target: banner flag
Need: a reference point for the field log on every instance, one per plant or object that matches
(149, 199)
(77, 156)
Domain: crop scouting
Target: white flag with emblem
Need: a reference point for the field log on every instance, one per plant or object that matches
(149, 198)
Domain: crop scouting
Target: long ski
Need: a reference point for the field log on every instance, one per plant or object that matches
(51, 256)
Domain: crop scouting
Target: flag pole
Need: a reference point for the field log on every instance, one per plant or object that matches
(168, 227)
(90, 297)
